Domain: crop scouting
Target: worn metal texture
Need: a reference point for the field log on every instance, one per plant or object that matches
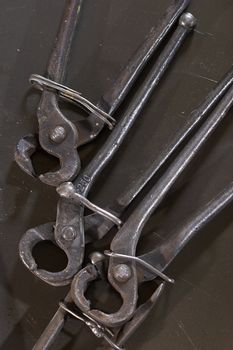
(196, 313)
(57, 135)
(97, 226)
(51, 120)
(70, 216)
(126, 240)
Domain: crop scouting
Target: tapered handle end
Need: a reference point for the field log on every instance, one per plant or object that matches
(188, 20)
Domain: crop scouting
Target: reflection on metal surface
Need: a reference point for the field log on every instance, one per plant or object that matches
(123, 270)
(141, 262)
(69, 214)
(71, 95)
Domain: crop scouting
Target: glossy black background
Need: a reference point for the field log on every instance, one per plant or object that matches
(197, 312)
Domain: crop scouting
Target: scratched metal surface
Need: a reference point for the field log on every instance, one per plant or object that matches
(196, 313)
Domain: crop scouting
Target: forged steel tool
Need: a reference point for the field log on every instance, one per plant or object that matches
(165, 252)
(121, 275)
(69, 233)
(97, 225)
(58, 136)
(160, 258)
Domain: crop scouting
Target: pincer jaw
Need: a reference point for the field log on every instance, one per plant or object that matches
(25, 148)
(29, 240)
(28, 145)
(79, 286)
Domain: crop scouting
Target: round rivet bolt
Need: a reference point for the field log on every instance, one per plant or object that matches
(68, 233)
(187, 20)
(96, 257)
(66, 190)
(58, 134)
(122, 273)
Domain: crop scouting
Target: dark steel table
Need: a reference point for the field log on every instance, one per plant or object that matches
(196, 313)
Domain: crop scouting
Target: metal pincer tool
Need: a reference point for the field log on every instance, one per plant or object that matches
(157, 259)
(122, 271)
(57, 135)
(69, 232)
(163, 255)
(96, 225)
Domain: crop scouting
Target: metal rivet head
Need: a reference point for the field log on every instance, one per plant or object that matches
(122, 273)
(66, 190)
(96, 257)
(68, 233)
(97, 332)
(187, 20)
(58, 134)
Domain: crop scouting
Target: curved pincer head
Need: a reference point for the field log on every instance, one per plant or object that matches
(30, 239)
(124, 280)
(46, 233)
(59, 137)
(80, 284)
(24, 150)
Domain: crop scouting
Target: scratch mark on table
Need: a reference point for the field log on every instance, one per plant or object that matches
(15, 8)
(158, 235)
(201, 77)
(204, 33)
(200, 289)
(181, 326)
